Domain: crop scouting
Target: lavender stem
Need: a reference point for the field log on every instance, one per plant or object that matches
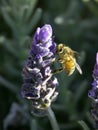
(52, 119)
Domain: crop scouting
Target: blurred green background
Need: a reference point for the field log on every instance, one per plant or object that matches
(75, 23)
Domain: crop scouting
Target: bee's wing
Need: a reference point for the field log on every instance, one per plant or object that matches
(76, 54)
(78, 68)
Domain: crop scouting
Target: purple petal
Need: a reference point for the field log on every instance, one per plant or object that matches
(91, 94)
(95, 84)
(45, 33)
(53, 47)
(47, 71)
(97, 58)
(36, 36)
(29, 92)
(38, 49)
(48, 44)
(55, 81)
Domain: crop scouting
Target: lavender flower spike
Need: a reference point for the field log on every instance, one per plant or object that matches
(93, 93)
(39, 84)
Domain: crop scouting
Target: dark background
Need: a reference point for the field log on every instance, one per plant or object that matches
(75, 23)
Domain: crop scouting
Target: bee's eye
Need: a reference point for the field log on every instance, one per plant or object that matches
(60, 50)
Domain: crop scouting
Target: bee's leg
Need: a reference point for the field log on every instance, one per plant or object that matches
(57, 70)
(60, 61)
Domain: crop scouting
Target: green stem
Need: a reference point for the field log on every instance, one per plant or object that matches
(33, 124)
(84, 125)
(52, 119)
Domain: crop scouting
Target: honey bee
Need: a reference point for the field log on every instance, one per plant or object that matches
(67, 59)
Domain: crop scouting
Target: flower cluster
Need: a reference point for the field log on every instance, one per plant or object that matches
(93, 93)
(39, 84)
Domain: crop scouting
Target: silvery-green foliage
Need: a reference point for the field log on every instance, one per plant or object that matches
(74, 23)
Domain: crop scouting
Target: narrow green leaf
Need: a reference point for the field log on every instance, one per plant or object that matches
(34, 20)
(83, 125)
(29, 8)
(8, 85)
(92, 7)
(8, 18)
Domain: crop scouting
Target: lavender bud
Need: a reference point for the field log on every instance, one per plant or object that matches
(45, 33)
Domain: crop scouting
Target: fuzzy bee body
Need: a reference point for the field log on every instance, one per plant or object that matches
(67, 59)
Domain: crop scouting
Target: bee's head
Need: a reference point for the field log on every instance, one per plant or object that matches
(60, 47)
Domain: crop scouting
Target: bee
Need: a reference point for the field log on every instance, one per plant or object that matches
(67, 59)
